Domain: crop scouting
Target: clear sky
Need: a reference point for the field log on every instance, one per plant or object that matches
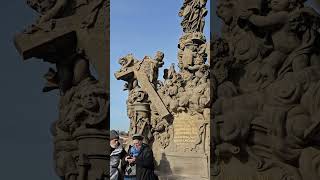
(26, 112)
(142, 28)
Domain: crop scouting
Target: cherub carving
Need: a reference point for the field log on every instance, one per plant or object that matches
(127, 61)
(84, 106)
(191, 47)
(200, 96)
(198, 63)
(48, 10)
(161, 132)
(137, 95)
(284, 40)
(193, 13)
(243, 44)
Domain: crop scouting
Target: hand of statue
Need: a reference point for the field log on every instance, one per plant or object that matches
(267, 72)
(245, 14)
(31, 29)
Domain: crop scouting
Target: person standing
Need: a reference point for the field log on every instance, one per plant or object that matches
(140, 162)
(117, 154)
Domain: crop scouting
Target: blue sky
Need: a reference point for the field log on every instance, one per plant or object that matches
(26, 113)
(142, 28)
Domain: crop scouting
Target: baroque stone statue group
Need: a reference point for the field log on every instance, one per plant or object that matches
(244, 105)
(173, 114)
(265, 75)
(258, 93)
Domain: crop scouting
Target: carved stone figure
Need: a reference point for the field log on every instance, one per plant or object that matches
(63, 36)
(193, 13)
(85, 22)
(177, 123)
(262, 123)
(191, 46)
(127, 61)
(150, 66)
(65, 153)
(284, 40)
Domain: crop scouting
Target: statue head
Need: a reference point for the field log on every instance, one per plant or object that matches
(226, 10)
(89, 101)
(159, 56)
(189, 44)
(92, 98)
(122, 61)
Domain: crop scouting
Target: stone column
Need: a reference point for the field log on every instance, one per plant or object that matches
(92, 144)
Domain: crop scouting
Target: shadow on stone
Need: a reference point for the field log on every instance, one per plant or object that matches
(164, 165)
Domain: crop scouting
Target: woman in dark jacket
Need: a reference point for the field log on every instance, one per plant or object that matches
(142, 158)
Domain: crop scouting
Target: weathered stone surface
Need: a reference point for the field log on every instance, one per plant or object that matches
(177, 122)
(50, 34)
(37, 45)
(266, 73)
(194, 165)
(72, 35)
(185, 130)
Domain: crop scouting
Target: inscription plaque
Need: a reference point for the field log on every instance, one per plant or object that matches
(186, 129)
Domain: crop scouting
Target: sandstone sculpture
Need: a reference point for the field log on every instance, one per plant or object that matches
(173, 114)
(63, 36)
(265, 74)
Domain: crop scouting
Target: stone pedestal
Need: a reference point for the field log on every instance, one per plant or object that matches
(187, 155)
(92, 145)
(184, 166)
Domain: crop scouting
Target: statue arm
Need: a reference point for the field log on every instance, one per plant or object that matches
(270, 20)
(195, 67)
(57, 8)
(153, 61)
